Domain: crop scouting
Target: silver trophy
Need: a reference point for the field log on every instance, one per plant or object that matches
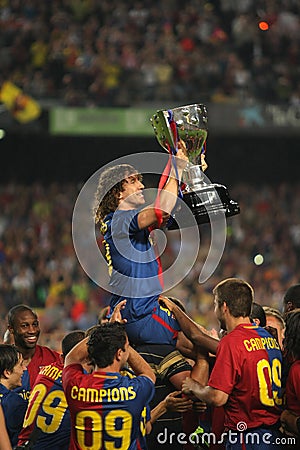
(205, 200)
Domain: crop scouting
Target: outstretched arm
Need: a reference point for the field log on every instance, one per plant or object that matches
(190, 328)
(207, 394)
(172, 402)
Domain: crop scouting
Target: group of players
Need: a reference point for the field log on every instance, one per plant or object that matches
(233, 385)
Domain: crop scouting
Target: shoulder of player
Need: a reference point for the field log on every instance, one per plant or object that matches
(13, 399)
(233, 336)
(128, 377)
(141, 381)
(42, 351)
(294, 370)
(3, 391)
(120, 221)
(126, 216)
(296, 364)
(72, 372)
(242, 330)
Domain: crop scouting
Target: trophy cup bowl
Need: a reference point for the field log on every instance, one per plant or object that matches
(207, 201)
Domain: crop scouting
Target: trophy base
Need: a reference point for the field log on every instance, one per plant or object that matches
(207, 203)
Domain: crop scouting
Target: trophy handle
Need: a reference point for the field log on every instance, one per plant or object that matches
(162, 130)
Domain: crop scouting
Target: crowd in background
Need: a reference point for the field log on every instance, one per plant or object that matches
(120, 53)
(39, 267)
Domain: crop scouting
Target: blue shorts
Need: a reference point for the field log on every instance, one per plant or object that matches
(158, 327)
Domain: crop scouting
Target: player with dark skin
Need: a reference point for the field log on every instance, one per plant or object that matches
(24, 326)
(26, 332)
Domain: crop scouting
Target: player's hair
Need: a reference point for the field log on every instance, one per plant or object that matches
(292, 295)
(238, 295)
(107, 201)
(89, 331)
(258, 312)
(105, 340)
(14, 312)
(70, 340)
(9, 357)
(291, 342)
(275, 313)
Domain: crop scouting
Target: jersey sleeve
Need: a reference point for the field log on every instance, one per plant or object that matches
(124, 223)
(225, 371)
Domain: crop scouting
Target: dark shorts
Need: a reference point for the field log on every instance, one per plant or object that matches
(164, 360)
(159, 327)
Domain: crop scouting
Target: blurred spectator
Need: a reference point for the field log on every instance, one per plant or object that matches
(111, 48)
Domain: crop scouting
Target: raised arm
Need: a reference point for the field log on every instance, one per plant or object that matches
(169, 193)
(78, 354)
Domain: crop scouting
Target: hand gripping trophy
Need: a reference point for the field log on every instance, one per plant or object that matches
(206, 200)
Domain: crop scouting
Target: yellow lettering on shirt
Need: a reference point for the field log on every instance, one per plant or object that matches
(258, 343)
(99, 395)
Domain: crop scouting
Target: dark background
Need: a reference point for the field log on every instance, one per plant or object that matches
(39, 157)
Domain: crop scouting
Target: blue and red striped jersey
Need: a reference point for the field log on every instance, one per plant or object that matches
(106, 408)
(132, 264)
(48, 411)
(248, 369)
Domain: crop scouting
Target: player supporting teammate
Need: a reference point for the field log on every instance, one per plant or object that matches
(135, 272)
(106, 407)
(246, 377)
